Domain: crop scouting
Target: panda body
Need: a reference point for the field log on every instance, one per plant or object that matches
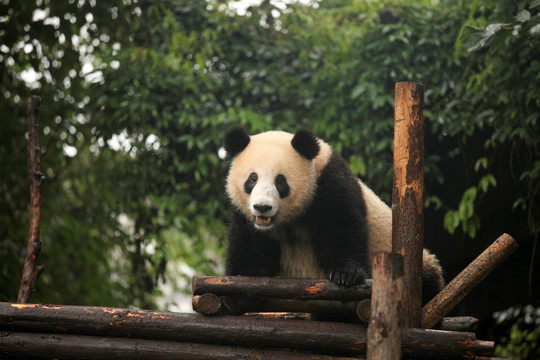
(298, 211)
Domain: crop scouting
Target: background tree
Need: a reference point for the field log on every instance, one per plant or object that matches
(42, 39)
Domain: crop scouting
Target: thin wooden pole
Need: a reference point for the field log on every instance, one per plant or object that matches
(384, 331)
(408, 194)
(31, 270)
(467, 280)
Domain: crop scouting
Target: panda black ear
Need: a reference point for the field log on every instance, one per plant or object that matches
(235, 140)
(306, 144)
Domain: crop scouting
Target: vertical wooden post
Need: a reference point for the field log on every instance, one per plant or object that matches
(408, 194)
(31, 270)
(384, 330)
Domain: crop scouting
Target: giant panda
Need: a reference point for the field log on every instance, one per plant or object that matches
(299, 212)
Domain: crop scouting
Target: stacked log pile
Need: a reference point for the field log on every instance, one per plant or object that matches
(68, 332)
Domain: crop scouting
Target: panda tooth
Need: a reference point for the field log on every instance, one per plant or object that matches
(263, 219)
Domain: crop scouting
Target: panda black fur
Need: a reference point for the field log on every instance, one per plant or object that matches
(300, 212)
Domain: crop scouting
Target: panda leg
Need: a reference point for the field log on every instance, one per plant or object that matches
(432, 277)
(249, 253)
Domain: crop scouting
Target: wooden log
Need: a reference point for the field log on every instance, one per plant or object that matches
(280, 315)
(363, 311)
(454, 323)
(459, 323)
(31, 270)
(408, 194)
(309, 336)
(428, 344)
(312, 336)
(384, 331)
(272, 287)
(18, 345)
(484, 348)
(467, 280)
(210, 304)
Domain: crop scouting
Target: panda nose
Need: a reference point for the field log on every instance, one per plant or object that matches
(263, 209)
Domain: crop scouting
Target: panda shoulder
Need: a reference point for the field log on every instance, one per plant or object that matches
(325, 155)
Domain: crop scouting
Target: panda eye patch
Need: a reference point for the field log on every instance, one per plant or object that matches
(250, 182)
(282, 186)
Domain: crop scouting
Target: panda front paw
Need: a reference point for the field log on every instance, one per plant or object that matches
(348, 276)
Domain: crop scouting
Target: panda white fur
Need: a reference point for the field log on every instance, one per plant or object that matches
(298, 211)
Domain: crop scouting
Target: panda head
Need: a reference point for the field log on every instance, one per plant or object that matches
(273, 175)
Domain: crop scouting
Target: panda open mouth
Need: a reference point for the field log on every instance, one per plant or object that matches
(264, 221)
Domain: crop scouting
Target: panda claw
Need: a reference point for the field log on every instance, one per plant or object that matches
(347, 278)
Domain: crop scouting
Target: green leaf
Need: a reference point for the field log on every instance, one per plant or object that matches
(466, 205)
(477, 38)
(523, 16)
(451, 221)
(482, 162)
(357, 91)
(521, 203)
(486, 181)
(436, 201)
(357, 165)
(471, 226)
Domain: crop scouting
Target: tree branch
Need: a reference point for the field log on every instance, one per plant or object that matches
(31, 270)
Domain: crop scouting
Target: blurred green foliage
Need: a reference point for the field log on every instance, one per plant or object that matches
(518, 329)
(136, 95)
